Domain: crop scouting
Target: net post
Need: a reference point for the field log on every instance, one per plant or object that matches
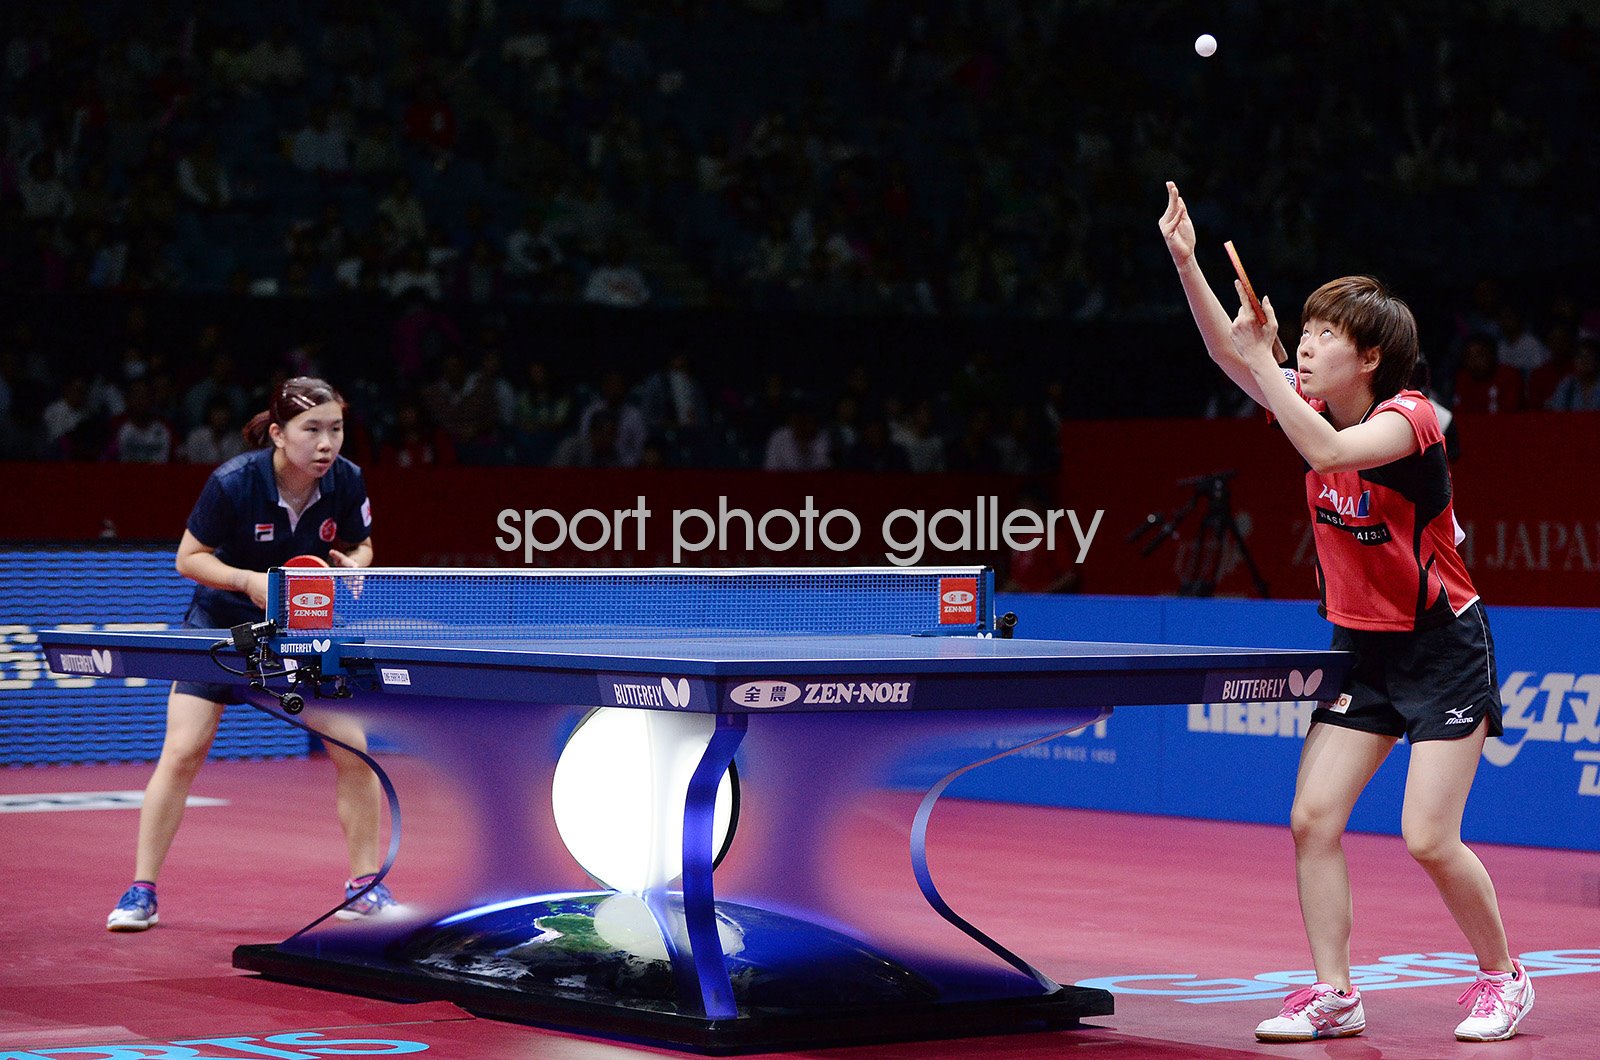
(275, 586)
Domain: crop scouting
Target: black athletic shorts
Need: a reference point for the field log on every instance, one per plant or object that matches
(218, 692)
(1437, 684)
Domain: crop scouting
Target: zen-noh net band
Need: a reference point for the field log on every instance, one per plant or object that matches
(419, 603)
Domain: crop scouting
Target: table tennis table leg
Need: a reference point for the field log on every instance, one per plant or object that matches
(270, 706)
(704, 987)
(919, 857)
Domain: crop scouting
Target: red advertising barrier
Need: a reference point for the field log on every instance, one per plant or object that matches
(1527, 493)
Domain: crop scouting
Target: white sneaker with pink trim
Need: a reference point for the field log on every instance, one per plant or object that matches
(1315, 1011)
(1495, 1004)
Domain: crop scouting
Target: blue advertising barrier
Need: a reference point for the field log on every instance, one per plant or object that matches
(1538, 785)
(47, 718)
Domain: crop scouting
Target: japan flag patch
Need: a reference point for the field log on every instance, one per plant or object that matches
(366, 512)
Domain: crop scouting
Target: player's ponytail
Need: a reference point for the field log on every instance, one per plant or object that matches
(295, 396)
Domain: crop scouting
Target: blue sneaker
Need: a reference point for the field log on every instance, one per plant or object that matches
(374, 901)
(135, 911)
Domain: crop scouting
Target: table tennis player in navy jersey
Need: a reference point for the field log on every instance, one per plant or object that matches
(1402, 604)
(291, 495)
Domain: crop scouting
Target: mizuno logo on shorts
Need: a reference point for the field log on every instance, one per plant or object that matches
(1458, 715)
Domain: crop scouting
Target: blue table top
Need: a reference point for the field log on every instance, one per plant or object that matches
(737, 656)
(734, 656)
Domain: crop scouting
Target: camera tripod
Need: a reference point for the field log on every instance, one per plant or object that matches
(1218, 528)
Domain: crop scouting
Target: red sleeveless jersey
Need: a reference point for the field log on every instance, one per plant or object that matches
(1386, 537)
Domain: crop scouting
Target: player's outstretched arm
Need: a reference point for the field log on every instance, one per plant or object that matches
(1210, 317)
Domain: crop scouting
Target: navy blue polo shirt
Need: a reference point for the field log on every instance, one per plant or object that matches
(239, 516)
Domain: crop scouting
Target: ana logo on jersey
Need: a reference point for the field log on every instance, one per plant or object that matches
(1349, 507)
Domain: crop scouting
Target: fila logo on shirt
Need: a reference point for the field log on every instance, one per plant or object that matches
(1349, 507)
(263, 531)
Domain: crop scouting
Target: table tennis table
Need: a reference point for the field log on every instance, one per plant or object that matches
(745, 713)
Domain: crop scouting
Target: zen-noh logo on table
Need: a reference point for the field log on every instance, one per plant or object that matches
(870, 692)
(1261, 686)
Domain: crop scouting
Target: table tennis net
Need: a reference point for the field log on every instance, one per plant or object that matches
(417, 603)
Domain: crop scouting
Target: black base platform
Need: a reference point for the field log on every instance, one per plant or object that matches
(1063, 1008)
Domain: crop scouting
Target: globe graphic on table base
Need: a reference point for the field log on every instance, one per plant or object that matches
(606, 947)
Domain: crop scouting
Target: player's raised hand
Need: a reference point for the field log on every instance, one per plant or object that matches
(1253, 339)
(1177, 229)
(339, 559)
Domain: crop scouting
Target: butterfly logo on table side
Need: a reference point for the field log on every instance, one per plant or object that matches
(1304, 686)
(677, 693)
(102, 659)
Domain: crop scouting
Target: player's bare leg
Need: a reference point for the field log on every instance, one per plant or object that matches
(1437, 784)
(360, 796)
(191, 726)
(1335, 765)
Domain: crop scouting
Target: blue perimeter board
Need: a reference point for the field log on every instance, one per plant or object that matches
(1056, 672)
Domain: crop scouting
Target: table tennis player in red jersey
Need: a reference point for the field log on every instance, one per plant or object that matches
(291, 499)
(1403, 605)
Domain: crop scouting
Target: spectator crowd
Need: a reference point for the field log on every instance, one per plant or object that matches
(827, 157)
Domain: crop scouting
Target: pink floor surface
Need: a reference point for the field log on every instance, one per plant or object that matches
(1192, 905)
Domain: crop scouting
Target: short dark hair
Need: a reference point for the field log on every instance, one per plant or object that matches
(1373, 317)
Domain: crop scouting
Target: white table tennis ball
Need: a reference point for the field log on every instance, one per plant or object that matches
(1205, 45)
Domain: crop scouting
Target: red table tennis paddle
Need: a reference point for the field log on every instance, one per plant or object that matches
(1278, 351)
(306, 560)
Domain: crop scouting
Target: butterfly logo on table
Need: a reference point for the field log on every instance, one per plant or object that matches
(1304, 686)
(677, 692)
(102, 659)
